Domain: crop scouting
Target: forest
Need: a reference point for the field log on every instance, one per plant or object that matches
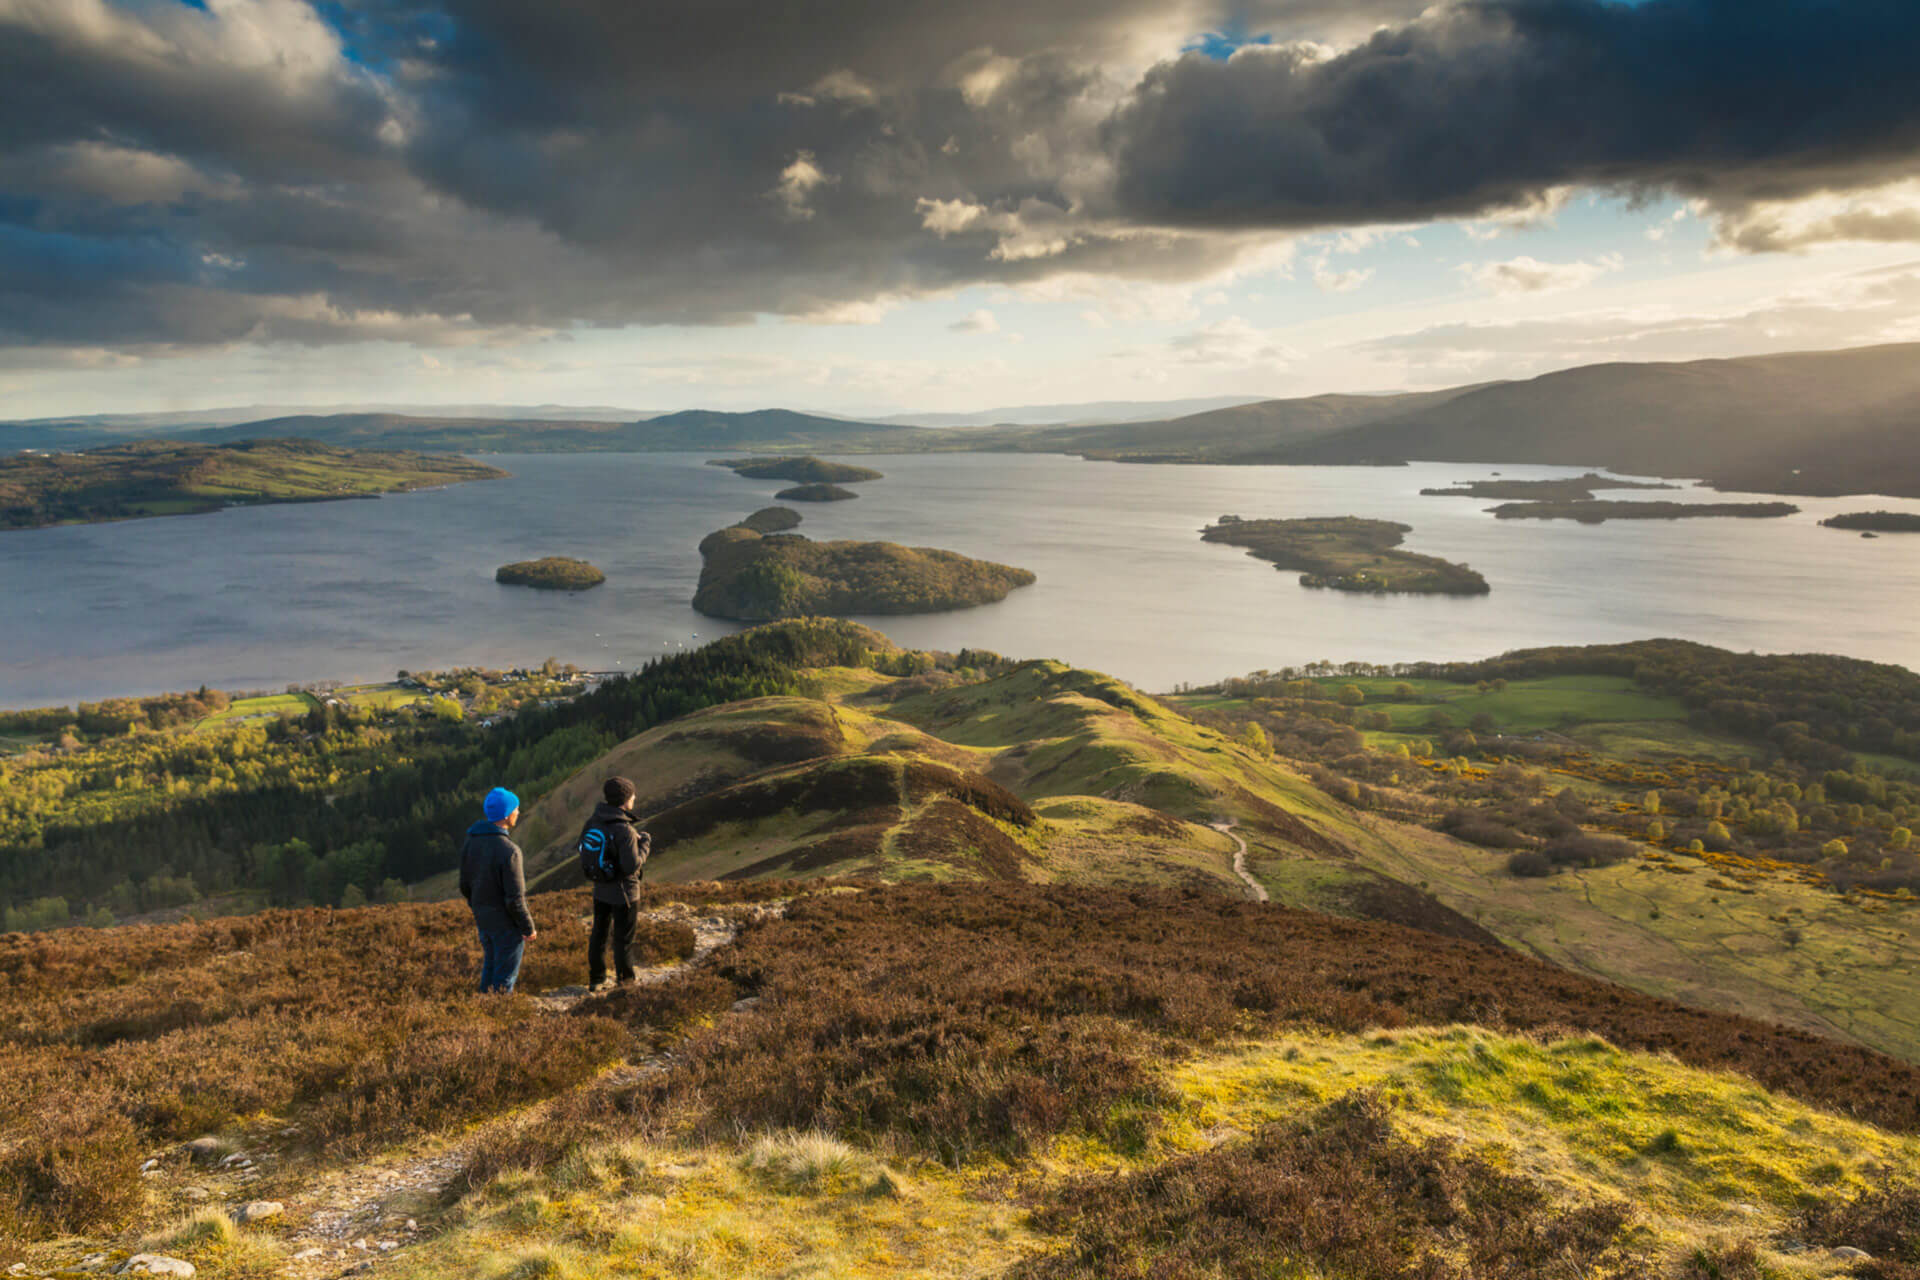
(341, 805)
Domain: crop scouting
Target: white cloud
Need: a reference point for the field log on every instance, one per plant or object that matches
(1328, 280)
(1527, 274)
(980, 321)
(948, 217)
(1537, 211)
(1232, 342)
(798, 181)
(1886, 215)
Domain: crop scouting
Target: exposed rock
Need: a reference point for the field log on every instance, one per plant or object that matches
(92, 1262)
(1847, 1253)
(257, 1211)
(154, 1264)
(196, 1193)
(312, 1251)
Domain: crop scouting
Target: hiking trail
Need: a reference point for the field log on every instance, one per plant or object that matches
(346, 1220)
(1254, 887)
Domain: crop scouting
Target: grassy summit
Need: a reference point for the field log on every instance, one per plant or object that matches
(553, 573)
(166, 478)
(800, 470)
(757, 578)
(1347, 554)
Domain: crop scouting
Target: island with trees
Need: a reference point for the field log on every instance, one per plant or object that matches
(754, 577)
(804, 469)
(815, 493)
(1599, 511)
(551, 573)
(170, 478)
(1346, 553)
(772, 520)
(1572, 489)
(1875, 522)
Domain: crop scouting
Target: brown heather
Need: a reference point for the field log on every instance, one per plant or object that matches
(1339, 1187)
(359, 1026)
(958, 1022)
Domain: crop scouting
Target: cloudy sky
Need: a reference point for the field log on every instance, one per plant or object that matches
(886, 205)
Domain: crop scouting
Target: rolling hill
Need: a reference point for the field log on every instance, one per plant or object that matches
(689, 431)
(1822, 422)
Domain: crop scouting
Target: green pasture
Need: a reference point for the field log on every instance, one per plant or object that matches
(247, 710)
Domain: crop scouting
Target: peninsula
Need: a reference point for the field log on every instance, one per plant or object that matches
(553, 573)
(1347, 553)
(805, 469)
(1595, 512)
(815, 493)
(752, 577)
(1573, 489)
(169, 478)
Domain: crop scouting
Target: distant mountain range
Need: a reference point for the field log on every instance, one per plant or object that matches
(1086, 413)
(1825, 422)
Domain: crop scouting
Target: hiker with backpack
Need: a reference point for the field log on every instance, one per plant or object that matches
(493, 880)
(612, 851)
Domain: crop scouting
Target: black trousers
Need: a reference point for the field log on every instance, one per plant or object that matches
(619, 918)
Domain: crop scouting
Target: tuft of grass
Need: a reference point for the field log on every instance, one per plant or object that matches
(810, 1162)
(215, 1246)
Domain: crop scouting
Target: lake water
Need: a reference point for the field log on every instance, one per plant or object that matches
(264, 596)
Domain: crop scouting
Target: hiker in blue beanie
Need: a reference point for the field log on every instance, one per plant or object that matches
(493, 880)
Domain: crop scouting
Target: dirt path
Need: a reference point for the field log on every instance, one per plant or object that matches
(350, 1218)
(1254, 887)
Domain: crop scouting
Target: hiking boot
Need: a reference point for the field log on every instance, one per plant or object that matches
(598, 985)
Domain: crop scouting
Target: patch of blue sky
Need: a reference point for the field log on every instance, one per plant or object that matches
(1221, 45)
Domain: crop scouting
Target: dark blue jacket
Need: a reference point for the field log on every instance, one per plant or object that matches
(494, 881)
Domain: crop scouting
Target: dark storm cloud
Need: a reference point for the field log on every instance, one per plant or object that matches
(1486, 103)
(477, 169)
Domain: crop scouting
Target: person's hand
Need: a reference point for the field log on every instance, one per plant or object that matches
(531, 936)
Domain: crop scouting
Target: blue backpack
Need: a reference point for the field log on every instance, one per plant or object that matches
(597, 859)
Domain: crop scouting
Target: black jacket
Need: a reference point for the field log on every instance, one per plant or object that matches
(630, 847)
(494, 881)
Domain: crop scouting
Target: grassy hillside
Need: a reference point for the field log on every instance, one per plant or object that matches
(1010, 1080)
(163, 478)
(1811, 422)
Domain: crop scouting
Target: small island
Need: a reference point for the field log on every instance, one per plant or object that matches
(170, 478)
(772, 520)
(1573, 489)
(754, 577)
(815, 493)
(553, 573)
(799, 470)
(1875, 521)
(1346, 553)
(1596, 512)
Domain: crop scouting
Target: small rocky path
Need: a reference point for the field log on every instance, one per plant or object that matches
(1254, 887)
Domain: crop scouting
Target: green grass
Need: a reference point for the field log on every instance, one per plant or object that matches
(272, 707)
(381, 697)
(1551, 702)
(1685, 1147)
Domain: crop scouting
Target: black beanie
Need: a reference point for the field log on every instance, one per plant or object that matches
(618, 791)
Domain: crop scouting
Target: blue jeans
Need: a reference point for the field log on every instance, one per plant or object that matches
(500, 959)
